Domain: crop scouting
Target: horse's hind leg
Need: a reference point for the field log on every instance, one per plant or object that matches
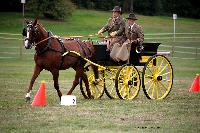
(36, 72)
(79, 73)
(85, 79)
(95, 70)
(55, 74)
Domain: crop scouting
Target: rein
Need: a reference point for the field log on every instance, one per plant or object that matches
(48, 45)
(44, 40)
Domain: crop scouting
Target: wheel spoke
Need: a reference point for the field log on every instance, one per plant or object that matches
(135, 88)
(121, 88)
(152, 93)
(124, 91)
(149, 70)
(111, 90)
(98, 88)
(150, 86)
(134, 75)
(163, 69)
(94, 90)
(160, 65)
(136, 81)
(167, 80)
(151, 80)
(148, 76)
(160, 89)
(157, 93)
(163, 86)
(128, 92)
(165, 73)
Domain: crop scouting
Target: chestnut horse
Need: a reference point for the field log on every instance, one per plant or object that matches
(48, 55)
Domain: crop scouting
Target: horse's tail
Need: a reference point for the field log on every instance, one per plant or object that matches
(95, 68)
(93, 59)
(88, 51)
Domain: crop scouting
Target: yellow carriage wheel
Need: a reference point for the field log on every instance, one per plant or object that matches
(96, 87)
(127, 82)
(157, 77)
(110, 89)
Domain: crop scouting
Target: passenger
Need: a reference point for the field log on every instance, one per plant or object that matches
(134, 37)
(115, 28)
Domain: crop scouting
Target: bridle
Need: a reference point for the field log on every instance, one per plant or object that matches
(34, 32)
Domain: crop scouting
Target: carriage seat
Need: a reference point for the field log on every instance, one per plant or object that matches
(137, 59)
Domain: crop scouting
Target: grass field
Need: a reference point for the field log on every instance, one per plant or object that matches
(179, 112)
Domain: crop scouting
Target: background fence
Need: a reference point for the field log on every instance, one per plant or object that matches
(183, 46)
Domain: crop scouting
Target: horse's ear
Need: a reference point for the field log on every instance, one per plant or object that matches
(35, 22)
(27, 22)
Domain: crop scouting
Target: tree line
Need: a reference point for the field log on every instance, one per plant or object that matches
(184, 8)
(59, 9)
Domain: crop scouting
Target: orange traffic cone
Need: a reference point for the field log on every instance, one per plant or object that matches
(195, 85)
(40, 98)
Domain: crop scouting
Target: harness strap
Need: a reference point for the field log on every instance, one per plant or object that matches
(48, 47)
(83, 49)
(63, 51)
(62, 45)
(48, 44)
(87, 60)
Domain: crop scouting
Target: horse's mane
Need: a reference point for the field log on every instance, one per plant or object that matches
(41, 26)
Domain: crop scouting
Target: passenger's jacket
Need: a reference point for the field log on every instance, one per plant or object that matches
(134, 32)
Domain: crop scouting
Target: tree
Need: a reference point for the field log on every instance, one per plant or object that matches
(53, 9)
(185, 8)
(10, 5)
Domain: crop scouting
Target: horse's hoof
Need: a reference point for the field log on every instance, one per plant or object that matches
(28, 99)
(91, 97)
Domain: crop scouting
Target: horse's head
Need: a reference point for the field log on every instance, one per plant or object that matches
(31, 33)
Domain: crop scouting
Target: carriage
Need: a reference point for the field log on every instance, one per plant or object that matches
(147, 68)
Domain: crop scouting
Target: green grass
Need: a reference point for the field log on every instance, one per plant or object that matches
(84, 22)
(179, 112)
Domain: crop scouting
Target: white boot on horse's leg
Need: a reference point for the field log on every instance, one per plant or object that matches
(28, 97)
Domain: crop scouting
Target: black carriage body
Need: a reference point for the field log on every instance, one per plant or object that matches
(137, 59)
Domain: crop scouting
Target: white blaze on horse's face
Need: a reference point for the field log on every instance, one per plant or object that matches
(27, 43)
(26, 40)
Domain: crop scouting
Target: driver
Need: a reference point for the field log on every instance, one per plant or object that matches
(115, 28)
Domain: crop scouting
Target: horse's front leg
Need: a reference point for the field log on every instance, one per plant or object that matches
(36, 72)
(55, 74)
